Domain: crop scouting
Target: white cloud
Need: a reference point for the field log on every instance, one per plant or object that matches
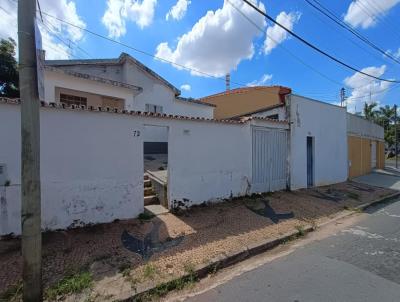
(178, 11)
(363, 86)
(62, 9)
(119, 11)
(276, 34)
(264, 79)
(364, 13)
(218, 42)
(186, 87)
(395, 54)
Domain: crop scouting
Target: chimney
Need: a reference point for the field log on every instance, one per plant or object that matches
(228, 81)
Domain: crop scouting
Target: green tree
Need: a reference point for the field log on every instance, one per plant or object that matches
(370, 111)
(8, 69)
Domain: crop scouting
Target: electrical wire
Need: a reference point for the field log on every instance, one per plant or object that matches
(315, 47)
(170, 62)
(323, 10)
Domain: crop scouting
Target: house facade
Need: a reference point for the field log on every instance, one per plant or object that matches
(238, 101)
(122, 83)
(327, 144)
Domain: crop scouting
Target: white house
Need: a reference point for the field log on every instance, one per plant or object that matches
(318, 140)
(121, 83)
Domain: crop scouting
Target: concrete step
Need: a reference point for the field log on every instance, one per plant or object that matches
(155, 209)
(147, 183)
(148, 191)
(151, 199)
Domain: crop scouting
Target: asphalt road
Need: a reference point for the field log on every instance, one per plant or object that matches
(359, 263)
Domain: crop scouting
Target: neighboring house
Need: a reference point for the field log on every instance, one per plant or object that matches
(121, 83)
(327, 144)
(239, 101)
(366, 145)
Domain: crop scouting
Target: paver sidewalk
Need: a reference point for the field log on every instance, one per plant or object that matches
(124, 254)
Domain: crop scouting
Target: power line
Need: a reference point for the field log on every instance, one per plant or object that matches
(366, 10)
(284, 48)
(323, 10)
(315, 47)
(291, 53)
(177, 64)
(63, 41)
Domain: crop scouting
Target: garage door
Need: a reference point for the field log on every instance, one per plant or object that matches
(269, 159)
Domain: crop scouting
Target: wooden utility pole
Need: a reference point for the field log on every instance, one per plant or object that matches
(30, 153)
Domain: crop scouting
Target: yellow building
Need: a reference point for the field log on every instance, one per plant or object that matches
(239, 101)
(366, 146)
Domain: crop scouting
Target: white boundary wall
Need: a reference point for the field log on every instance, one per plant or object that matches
(327, 124)
(91, 168)
(92, 164)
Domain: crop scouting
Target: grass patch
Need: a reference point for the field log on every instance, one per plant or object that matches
(71, 284)
(149, 271)
(300, 230)
(189, 268)
(164, 288)
(145, 216)
(13, 293)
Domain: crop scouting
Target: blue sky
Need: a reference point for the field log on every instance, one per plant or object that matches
(226, 41)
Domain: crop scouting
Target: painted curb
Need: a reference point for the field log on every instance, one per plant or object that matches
(230, 258)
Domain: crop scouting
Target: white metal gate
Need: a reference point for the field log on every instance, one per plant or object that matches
(373, 155)
(269, 159)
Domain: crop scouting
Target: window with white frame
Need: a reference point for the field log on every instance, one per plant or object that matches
(154, 108)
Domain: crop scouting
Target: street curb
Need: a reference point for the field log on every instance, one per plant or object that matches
(231, 258)
(378, 201)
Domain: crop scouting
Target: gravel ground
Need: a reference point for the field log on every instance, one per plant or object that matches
(207, 231)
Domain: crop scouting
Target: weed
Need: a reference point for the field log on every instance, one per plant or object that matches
(71, 284)
(13, 293)
(348, 208)
(145, 216)
(353, 195)
(300, 230)
(164, 288)
(149, 271)
(123, 268)
(189, 268)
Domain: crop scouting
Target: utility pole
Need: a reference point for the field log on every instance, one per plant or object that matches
(30, 153)
(342, 96)
(395, 133)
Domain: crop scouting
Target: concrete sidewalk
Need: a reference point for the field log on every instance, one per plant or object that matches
(356, 262)
(129, 256)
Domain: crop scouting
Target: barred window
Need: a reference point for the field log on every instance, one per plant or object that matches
(69, 100)
(154, 108)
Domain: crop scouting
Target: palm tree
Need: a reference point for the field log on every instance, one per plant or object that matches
(369, 111)
(387, 114)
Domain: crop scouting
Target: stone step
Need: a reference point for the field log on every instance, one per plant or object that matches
(148, 191)
(147, 183)
(151, 199)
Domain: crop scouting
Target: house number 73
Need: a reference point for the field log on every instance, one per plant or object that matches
(136, 133)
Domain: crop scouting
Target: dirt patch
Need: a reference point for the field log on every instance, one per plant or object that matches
(175, 243)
